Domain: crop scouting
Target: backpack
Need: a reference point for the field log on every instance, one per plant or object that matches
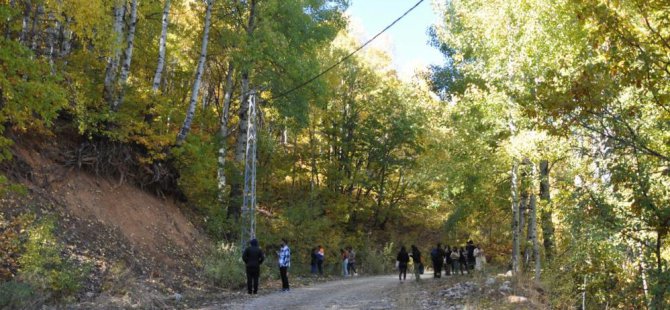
(434, 254)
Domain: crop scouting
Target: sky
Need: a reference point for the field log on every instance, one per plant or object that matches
(407, 40)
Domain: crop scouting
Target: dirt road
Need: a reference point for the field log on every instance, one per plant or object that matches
(381, 292)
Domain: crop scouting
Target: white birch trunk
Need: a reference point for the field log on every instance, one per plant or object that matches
(244, 104)
(25, 21)
(515, 218)
(113, 61)
(546, 213)
(35, 30)
(533, 235)
(236, 190)
(12, 3)
(243, 122)
(223, 133)
(66, 37)
(161, 47)
(127, 57)
(186, 127)
(524, 239)
(52, 36)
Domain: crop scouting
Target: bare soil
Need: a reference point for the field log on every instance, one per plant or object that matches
(133, 239)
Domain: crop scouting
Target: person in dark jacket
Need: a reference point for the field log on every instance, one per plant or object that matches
(313, 263)
(470, 249)
(437, 256)
(253, 257)
(448, 269)
(418, 265)
(402, 260)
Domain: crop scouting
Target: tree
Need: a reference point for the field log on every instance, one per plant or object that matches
(190, 113)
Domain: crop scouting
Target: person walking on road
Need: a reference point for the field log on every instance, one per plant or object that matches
(351, 265)
(479, 258)
(345, 262)
(253, 257)
(320, 255)
(455, 261)
(462, 260)
(402, 259)
(284, 263)
(448, 267)
(418, 265)
(437, 256)
(470, 249)
(313, 263)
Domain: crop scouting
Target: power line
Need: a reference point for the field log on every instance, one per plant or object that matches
(343, 59)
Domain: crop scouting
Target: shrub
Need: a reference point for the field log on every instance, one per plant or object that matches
(43, 267)
(16, 295)
(377, 261)
(224, 266)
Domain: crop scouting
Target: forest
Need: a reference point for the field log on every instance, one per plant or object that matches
(544, 136)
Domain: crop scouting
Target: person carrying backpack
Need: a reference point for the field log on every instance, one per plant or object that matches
(253, 257)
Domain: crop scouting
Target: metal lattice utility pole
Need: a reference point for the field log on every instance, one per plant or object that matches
(248, 227)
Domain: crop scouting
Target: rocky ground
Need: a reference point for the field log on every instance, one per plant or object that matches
(480, 291)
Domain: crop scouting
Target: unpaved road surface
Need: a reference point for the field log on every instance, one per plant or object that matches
(381, 292)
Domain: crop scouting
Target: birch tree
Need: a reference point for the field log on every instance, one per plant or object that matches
(223, 133)
(127, 57)
(235, 208)
(161, 47)
(190, 113)
(114, 58)
(546, 214)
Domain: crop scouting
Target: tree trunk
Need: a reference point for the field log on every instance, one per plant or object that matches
(127, 57)
(314, 178)
(223, 134)
(113, 61)
(532, 230)
(236, 190)
(161, 47)
(34, 29)
(515, 218)
(661, 286)
(524, 238)
(23, 36)
(52, 37)
(65, 35)
(546, 214)
(186, 127)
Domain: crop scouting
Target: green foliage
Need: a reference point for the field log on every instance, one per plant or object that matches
(16, 295)
(373, 260)
(224, 267)
(43, 267)
(196, 162)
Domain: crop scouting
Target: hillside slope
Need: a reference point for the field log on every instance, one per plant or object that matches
(125, 233)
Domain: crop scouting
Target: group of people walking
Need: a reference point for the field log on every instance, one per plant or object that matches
(452, 260)
(253, 257)
(463, 259)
